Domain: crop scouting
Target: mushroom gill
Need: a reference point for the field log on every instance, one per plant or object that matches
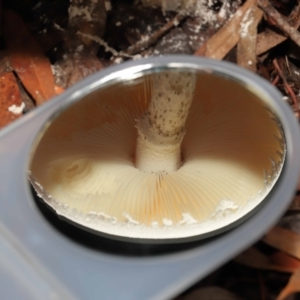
(231, 155)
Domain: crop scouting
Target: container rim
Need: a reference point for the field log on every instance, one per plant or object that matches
(258, 86)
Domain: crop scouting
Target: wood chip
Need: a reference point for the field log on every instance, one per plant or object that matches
(227, 37)
(284, 239)
(27, 59)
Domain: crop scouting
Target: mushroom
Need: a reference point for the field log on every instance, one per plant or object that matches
(168, 155)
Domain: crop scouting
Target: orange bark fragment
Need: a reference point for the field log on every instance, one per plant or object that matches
(10, 99)
(27, 59)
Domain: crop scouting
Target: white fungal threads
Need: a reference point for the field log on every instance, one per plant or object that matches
(161, 128)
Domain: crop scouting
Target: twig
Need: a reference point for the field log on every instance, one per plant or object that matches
(275, 81)
(279, 21)
(287, 64)
(287, 86)
(269, 38)
(144, 43)
(140, 45)
(101, 42)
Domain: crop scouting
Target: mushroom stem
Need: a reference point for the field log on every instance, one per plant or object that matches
(162, 128)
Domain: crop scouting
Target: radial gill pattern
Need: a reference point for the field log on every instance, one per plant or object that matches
(232, 155)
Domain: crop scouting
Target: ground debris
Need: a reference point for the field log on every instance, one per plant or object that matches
(48, 46)
(279, 21)
(227, 37)
(269, 38)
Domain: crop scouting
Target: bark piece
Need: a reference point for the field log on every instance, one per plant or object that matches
(27, 59)
(246, 54)
(227, 37)
(11, 105)
(268, 40)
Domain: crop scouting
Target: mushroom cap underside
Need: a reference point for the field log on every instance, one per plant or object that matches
(232, 155)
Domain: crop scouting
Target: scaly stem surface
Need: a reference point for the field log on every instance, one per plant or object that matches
(161, 129)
